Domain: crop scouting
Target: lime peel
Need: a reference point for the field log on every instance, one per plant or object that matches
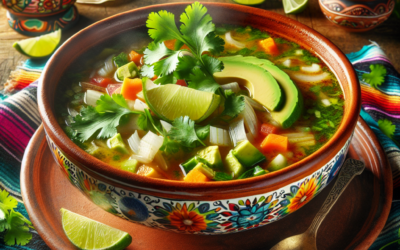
(294, 6)
(41, 46)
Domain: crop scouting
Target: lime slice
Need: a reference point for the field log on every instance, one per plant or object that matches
(294, 6)
(85, 233)
(171, 101)
(249, 2)
(40, 46)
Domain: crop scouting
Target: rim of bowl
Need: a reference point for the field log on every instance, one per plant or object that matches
(353, 16)
(270, 181)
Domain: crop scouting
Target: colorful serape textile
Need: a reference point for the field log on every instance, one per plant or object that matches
(20, 117)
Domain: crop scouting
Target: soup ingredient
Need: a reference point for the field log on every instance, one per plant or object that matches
(148, 171)
(85, 233)
(183, 131)
(247, 154)
(134, 142)
(237, 132)
(130, 165)
(260, 83)
(275, 142)
(92, 96)
(233, 106)
(310, 78)
(171, 101)
(118, 144)
(37, 47)
(314, 68)
(233, 166)
(234, 86)
(294, 6)
(108, 66)
(250, 119)
(269, 46)
(105, 118)
(212, 156)
(14, 227)
(249, 2)
(229, 39)
(121, 60)
(148, 147)
(293, 104)
(128, 70)
(256, 171)
(267, 129)
(277, 163)
(135, 57)
(196, 175)
(377, 75)
(130, 88)
(219, 137)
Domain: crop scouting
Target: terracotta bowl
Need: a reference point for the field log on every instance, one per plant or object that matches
(202, 208)
(357, 15)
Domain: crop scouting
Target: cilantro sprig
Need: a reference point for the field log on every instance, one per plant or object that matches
(387, 127)
(197, 32)
(377, 75)
(14, 227)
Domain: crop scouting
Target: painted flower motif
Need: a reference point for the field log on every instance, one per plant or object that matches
(60, 159)
(249, 214)
(187, 218)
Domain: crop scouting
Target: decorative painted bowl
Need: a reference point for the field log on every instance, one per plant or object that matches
(357, 15)
(37, 8)
(200, 208)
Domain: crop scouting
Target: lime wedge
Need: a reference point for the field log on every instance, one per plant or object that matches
(85, 233)
(294, 6)
(249, 2)
(171, 101)
(40, 46)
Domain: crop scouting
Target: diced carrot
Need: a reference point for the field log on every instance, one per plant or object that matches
(154, 78)
(136, 57)
(275, 142)
(196, 176)
(267, 129)
(269, 46)
(130, 88)
(145, 170)
(181, 83)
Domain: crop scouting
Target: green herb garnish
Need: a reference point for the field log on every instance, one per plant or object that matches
(377, 75)
(121, 59)
(387, 127)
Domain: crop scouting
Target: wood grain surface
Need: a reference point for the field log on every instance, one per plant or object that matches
(386, 35)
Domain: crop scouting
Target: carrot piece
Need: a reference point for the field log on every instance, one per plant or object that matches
(196, 176)
(267, 129)
(275, 142)
(147, 171)
(269, 46)
(130, 88)
(181, 83)
(136, 57)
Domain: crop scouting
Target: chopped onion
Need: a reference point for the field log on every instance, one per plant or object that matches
(140, 95)
(311, 78)
(131, 104)
(234, 86)
(229, 39)
(116, 77)
(140, 106)
(306, 143)
(326, 102)
(255, 104)
(219, 136)
(277, 163)
(301, 139)
(314, 68)
(287, 62)
(134, 142)
(113, 89)
(166, 125)
(108, 66)
(237, 132)
(72, 112)
(86, 85)
(91, 97)
(250, 119)
(149, 146)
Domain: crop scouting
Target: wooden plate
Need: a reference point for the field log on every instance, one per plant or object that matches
(354, 222)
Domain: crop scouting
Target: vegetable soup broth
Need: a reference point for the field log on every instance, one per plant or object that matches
(321, 114)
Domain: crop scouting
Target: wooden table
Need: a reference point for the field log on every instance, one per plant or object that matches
(386, 35)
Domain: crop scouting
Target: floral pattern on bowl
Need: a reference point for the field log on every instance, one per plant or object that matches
(196, 216)
(37, 8)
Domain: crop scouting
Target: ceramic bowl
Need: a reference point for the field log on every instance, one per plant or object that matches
(200, 208)
(37, 8)
(357, 15)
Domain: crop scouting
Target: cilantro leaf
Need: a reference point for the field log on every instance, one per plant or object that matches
(170, 146)
(167, 65)
(183, 131)
(121, 59)
(147, 71)
(7, 201)
(257, 34)
(202, 132)
(200, 81)
(147, 122)
(212, 64)
(185, 66)
(220, 176)
(377, 75)
(162, 26)
(234, 105)
(104, 118)
(166, 79)
(18, 233)
(387, 127)
(155, 51)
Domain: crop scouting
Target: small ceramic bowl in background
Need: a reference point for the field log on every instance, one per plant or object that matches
(357, 15)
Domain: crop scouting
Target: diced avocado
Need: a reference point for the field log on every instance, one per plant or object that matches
(260, 83)
(293, 104)
(118, 144)
(199, 174)
(212, 156)
(98, 152)
(259, 171)
(247, 154)
(232, 165)
(129, 70)
(130, 165)
(205, 170)
(189, 165)
(277, 163)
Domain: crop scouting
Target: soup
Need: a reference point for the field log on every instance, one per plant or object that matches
(201, 103)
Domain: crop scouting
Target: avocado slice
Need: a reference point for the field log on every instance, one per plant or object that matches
(293, 106)
(260, 83)
(232, 165)
(130, 165)
(129, 70)
(247, 154)
(212, 156)
(277, 163)
(118, 144)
